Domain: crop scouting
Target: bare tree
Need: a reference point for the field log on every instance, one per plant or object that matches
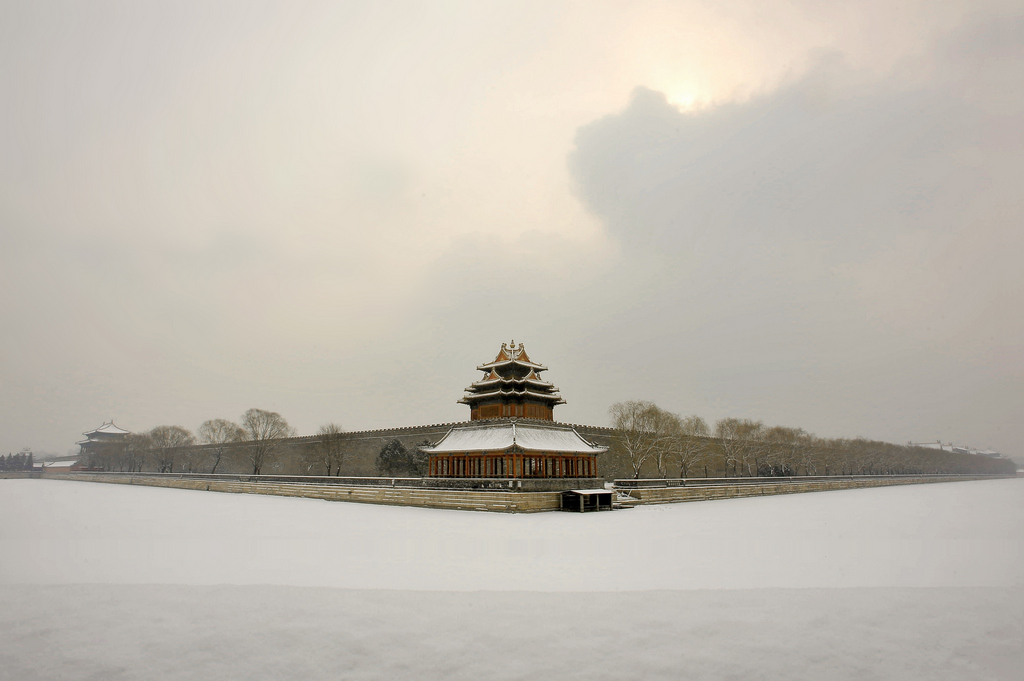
(666, 427)
(807, 453)
(220, 433)
(781, 457)
(131, 453)
(264, 429)
(328, 449)
(753, 446)
(689, 442)
(166, 440)
(641, 430)
(728, 431)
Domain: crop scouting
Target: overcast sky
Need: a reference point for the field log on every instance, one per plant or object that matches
(806, 213)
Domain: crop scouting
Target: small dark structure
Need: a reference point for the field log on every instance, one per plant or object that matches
(586, 500)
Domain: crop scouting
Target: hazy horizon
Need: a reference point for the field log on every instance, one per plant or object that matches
(807, 214)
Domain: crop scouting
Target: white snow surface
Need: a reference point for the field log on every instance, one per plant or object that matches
(115, 582)
(946, 534)
(271, 632)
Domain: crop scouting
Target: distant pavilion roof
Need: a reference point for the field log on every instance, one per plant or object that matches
(108, 428)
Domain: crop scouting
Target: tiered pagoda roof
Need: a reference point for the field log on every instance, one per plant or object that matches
(512, 386)
(108, 431)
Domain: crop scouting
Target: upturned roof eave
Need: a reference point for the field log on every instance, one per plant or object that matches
(492, 381)
(108, 429)
(503, 362)
(498, 394)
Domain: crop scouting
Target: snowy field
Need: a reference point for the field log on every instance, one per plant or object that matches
(111, 582)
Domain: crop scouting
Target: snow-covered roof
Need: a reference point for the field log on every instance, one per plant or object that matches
(512, 393)
(511, 354)
(956, 449)
(499, 363)
(59, 464)
(495, 379)
(108, 429)
(501, 435)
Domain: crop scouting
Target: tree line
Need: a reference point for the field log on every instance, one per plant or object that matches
(22, 461)
(258, 437)
(649, 437)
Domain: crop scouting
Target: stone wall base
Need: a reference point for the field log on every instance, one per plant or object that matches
(497, 500)
(694, 491)
(459, 499)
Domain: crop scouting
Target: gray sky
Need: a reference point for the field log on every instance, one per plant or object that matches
(806, 213)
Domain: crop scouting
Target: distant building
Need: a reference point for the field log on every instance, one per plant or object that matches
(60, 466)
(957, 449)
(102, 440)
(511, 432)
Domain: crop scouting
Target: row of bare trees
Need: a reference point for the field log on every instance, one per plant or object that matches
(257, 437)
(649, 437)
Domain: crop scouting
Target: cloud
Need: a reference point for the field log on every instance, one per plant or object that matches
(825, 157)
(842, 230)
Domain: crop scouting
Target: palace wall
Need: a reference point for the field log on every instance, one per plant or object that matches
(361, 449)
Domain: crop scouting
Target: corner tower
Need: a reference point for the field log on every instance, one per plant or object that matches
(512, 386)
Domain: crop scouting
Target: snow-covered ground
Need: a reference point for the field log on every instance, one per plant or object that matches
(108, 581)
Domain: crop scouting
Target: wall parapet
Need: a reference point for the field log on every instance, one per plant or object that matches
(701, 489)
(454, 499)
